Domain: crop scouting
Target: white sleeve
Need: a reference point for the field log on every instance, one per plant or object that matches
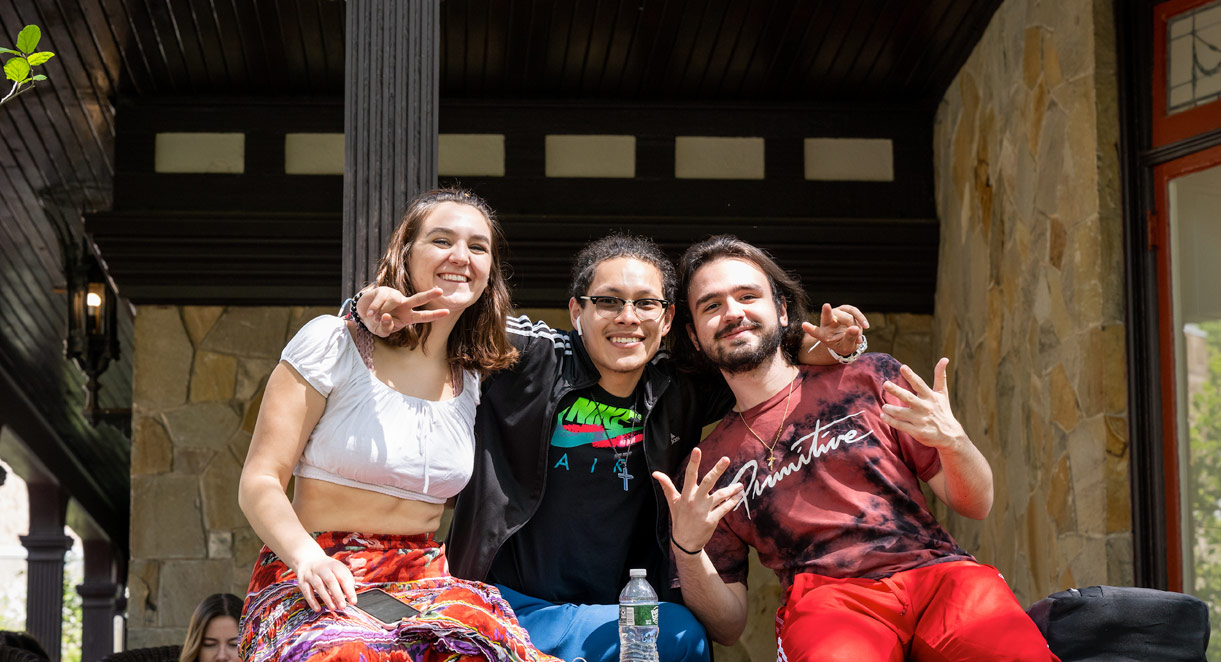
(473, 382)
(316, 352)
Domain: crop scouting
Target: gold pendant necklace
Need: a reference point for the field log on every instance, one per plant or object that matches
(771, 450)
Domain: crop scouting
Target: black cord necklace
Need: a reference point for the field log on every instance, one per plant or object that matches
(621, 458)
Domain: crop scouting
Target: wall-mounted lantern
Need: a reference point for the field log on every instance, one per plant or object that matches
(93, 339)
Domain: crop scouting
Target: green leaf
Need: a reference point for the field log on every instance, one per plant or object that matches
(40, 77)
(36, 59)
(10, 51)
(27, 39)
(16, 69)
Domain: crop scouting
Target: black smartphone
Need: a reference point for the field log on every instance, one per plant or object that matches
(384, 607)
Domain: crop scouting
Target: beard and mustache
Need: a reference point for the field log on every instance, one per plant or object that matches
(740, 359)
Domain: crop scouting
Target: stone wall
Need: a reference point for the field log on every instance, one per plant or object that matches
(199, 375)
(1030, 292)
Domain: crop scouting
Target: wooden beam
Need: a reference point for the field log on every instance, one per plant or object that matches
(42, 451)
(887, 265)
(390, 123)
(265, 236)
(1134, 41)
(218, 259)
(524, 188)
(222, 258)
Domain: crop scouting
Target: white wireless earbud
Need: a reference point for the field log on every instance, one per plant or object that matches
(578, 326)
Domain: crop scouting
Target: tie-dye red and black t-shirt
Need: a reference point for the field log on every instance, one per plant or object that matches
(844, 497)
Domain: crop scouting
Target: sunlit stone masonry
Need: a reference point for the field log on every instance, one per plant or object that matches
(198, 380)
(1030, 292)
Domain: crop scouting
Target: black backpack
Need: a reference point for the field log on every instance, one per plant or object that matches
(1123, 624)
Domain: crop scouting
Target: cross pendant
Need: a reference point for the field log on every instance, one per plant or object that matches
(771, 460)
(625, 476)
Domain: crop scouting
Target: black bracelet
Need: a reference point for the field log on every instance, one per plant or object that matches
(354, 314)
(684, 549)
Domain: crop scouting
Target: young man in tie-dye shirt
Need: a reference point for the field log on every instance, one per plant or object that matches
(819, 469)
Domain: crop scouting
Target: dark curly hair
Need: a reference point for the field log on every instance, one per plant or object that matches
(620, 245)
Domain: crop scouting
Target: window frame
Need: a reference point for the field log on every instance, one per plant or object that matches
(1187, 123)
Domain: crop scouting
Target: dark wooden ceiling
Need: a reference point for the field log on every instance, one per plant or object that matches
(707, 50)
(56, 161)
(57, 143)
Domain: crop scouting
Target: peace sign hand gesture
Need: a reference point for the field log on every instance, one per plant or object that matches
(695, 512)
(839, 329)
(925, 414)
(385, 310)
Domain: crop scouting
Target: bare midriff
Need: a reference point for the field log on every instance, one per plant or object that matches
(323, 506)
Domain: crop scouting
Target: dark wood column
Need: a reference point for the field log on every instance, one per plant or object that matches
(45, 549)
(99, 596)
(390, 123)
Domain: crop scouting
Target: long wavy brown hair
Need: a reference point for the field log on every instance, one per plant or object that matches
(478, 341)
(787, 291)
(217, 604)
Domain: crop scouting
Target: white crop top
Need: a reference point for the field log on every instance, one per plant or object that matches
(371, 436)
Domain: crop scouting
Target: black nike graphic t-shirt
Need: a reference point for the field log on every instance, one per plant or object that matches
(577, 548)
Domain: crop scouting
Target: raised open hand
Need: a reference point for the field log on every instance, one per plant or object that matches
(385, 310)
(695, 512)
(925, 413)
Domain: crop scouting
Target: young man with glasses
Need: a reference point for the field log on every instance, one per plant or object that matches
(560, 505)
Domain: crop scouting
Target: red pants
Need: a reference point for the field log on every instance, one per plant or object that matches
(955, 611)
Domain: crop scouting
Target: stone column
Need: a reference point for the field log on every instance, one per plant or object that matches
(390, 123)
(99, 595)
(45, 548)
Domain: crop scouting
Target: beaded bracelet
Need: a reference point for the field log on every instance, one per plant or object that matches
(354, 315)
(849, 358)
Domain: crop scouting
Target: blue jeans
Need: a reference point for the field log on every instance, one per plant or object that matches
(592, 631)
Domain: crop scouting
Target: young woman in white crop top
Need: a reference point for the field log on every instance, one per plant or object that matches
(378, 434)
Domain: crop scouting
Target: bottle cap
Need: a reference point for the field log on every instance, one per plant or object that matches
(637, 572)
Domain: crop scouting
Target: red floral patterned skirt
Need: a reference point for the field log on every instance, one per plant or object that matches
(460, 621)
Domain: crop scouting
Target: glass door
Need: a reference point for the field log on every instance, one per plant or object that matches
(1189, 260)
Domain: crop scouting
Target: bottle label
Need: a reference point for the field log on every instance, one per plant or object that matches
(630, 615)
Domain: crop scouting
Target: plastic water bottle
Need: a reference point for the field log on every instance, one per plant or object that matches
(637, 620)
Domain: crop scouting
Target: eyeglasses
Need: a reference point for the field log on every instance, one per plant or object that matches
(646, 309)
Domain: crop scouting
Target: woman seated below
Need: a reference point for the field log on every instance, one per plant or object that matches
(212, 633)
(379, 434)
